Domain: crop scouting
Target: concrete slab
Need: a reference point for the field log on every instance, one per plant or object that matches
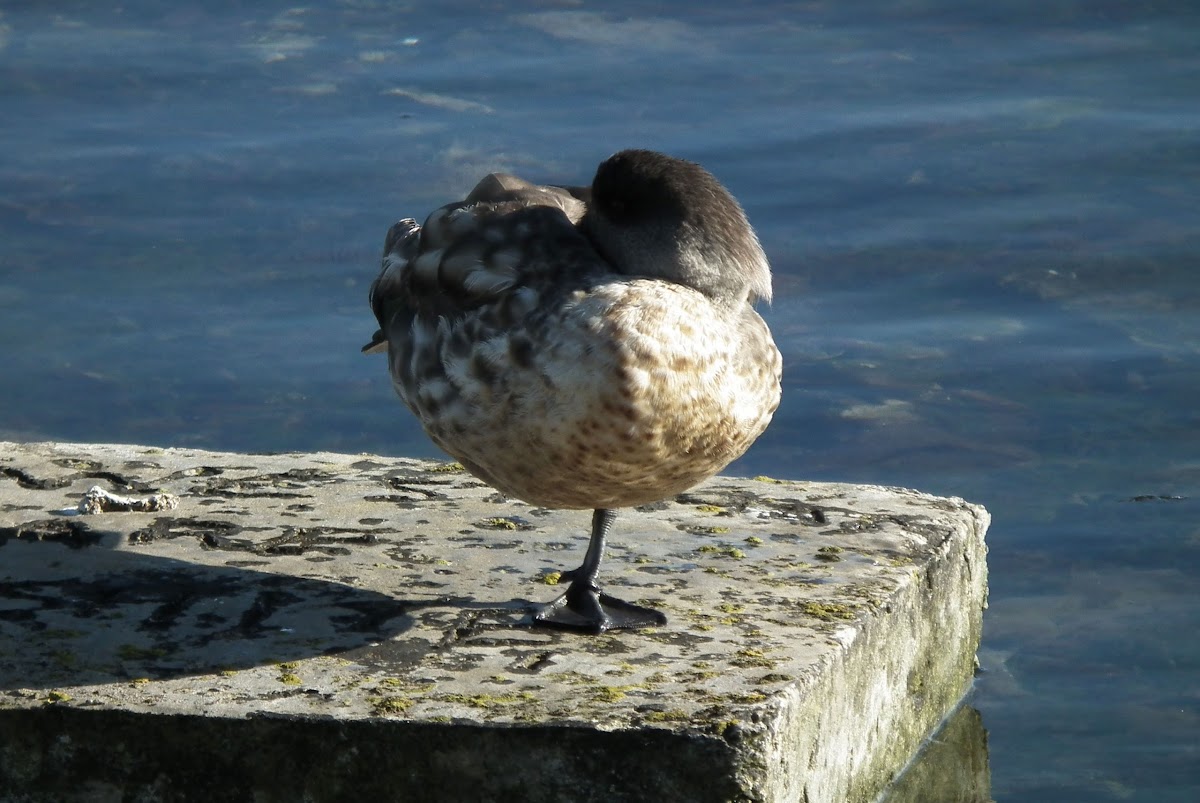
(328, 626)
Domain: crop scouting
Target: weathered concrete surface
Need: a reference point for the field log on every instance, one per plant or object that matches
(326, 626)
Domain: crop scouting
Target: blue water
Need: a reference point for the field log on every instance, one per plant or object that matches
(983, 220)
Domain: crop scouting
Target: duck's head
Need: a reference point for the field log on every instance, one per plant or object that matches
(654, 215)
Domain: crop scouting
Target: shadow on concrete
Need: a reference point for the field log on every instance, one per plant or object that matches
(75, 614)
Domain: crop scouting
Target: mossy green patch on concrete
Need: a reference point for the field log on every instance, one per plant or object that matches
(721, 551)
(610, 694)
(721, 727)
(669, 715)
(830, 554)
(829, 611)
(498, 523)
(487, 701)
(703, 529)
(389, 705)
(697, 675)
(287, 673)
(752, 656)
(572, 678)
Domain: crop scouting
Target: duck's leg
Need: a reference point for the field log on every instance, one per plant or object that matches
(583, 606)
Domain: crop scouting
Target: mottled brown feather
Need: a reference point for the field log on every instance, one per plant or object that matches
(560, 369)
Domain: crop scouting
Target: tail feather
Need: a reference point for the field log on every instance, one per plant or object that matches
(378, 344)
(399, 247)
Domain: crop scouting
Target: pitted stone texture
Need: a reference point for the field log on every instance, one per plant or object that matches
(817, 632)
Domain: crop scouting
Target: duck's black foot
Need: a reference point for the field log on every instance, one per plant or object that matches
(587, 609)
(583, 607)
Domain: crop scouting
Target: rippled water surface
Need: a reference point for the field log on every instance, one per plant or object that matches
(982, 219)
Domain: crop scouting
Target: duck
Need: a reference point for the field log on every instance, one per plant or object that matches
(584, 347)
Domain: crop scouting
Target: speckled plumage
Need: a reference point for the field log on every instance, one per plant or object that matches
(584, 347)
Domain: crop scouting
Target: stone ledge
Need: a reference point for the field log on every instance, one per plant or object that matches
(323, 626)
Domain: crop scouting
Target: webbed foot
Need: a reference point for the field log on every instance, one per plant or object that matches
(588, 609)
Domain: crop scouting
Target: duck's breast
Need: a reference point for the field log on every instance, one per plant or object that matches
(619, 394)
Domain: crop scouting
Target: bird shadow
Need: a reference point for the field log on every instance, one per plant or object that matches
(78, 615)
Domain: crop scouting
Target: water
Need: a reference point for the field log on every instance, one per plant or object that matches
(982, 220)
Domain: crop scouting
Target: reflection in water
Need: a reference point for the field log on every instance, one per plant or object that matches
(953, 765)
